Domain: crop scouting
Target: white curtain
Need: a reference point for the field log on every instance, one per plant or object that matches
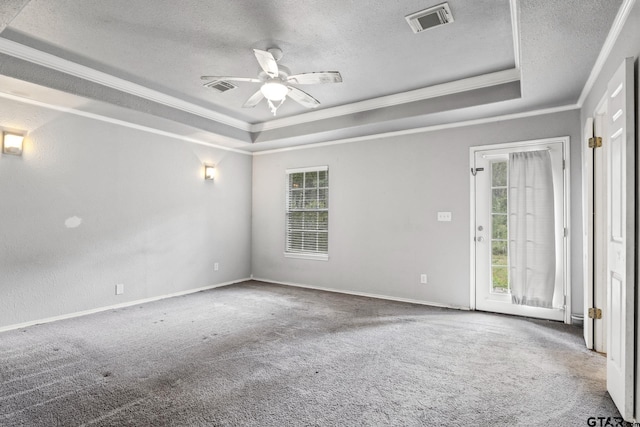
(532, 252)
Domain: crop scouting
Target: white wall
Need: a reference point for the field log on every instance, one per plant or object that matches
(384, 196)
(149, 220)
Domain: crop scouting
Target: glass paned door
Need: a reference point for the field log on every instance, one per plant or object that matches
(499, 231)
(493, 240)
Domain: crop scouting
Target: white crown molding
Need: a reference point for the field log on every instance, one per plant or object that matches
(472, 83)
(44, 59)
(612, 38)
(130, 125)
(423, 129)
(515, 29)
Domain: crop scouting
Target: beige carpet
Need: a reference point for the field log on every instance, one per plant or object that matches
(256, 354)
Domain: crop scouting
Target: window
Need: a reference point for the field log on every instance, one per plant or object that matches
(308, 213)
(499, 229)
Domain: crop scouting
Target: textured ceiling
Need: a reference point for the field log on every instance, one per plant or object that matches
(166, 45)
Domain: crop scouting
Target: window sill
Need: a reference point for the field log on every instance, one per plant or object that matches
(314, 257)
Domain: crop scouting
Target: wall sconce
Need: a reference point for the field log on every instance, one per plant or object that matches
(209, 172)
(12, 143)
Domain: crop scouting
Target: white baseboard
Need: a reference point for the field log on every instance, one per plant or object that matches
(219, 285)
(363, 294)
(116, 306)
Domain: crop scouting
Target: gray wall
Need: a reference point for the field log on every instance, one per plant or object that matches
(627, 45)
(384, 196)
(149, 220)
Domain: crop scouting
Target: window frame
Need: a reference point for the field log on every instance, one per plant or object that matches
(310, 255)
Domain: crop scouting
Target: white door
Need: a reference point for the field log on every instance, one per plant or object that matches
(490, 231)
(619, 144)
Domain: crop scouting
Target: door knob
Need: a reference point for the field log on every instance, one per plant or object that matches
(480, 239)
(480, 228)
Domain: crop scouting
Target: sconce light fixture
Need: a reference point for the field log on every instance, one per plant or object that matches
(12, 143)
(209, 172)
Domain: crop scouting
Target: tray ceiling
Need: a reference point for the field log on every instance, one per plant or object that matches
(542, 50)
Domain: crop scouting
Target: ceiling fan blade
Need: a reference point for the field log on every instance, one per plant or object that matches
(267, 62)
(253, 100)
(302, 98)
(232, 79)
(316, 77)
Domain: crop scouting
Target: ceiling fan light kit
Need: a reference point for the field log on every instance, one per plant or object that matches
(276, 82)
(274, 90)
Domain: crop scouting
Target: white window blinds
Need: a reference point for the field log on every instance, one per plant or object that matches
(308, 212)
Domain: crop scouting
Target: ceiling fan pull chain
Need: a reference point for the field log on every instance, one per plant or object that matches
(274, 108)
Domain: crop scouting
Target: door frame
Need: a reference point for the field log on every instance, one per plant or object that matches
(595, 285)
(565, 140)
(587, 230)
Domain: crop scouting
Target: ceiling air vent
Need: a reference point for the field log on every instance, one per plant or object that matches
(430, 18)
(220, 85)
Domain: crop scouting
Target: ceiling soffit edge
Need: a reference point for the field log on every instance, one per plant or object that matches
(417, 130)
(515, 30)
(130, 124)
(256, 149)
(44, 59)
(449, 88)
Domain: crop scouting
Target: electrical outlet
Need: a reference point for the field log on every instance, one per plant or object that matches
(120, 289)
(444, 216)
(423, 279)
(215, 266)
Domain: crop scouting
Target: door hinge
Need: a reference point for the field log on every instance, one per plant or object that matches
(595, 142)
(595, 313)
(566, 232)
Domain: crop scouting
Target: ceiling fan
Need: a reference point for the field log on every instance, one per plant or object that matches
(276, 81)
